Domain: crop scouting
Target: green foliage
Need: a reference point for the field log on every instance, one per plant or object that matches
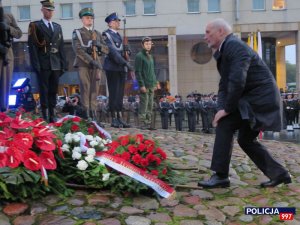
(290, 72)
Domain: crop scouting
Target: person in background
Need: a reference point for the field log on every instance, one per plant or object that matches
(47, 56)
(248, 102)
(178, 110)
(163, 108)
(73, 106)
(145, 75)
(8, 30)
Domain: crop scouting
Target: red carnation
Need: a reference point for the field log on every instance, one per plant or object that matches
(132, 149)
(76, 119)
(137, 159)
(144, 162)
(149, 143)
(58, 124)
(74, 128)
(3, 160)
(125, 156)
(31, 161)
(141, 147)
(47, 160)
(164, 171)
(91, 130)
(154, 172)
(139, 138)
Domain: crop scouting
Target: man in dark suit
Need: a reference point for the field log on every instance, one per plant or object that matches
(115, 67)
(48, 60)
(248, 101)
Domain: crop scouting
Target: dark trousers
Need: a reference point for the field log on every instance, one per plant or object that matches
(116, 85)
(178, 119)
(192, 121)
(247, 140)
(48, 87)
(164, 119)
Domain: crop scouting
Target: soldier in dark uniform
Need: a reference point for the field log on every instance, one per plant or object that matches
(8, 30)
(115, 67)
(48, 60)
(89, 46)
(178, 110)
(164, 107)
(191, 107)
(289, 107)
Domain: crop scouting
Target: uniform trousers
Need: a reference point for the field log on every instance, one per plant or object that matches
(247, 139)
(89, 87)
(5, 79)
(116, 85)
(48, 87)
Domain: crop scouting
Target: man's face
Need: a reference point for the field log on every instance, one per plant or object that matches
(48, 14)
(115, 24)
(213, 36)
(87, 21)
(147, 45)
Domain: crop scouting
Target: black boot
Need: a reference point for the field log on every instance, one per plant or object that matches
(115, 123)
(52, 117)
(124, 124)
(45, 114)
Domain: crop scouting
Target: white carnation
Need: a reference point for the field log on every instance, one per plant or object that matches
(82, 165)
(76, 138)
(89, 137)
(65, 148)
(105, 176)
(76, 155)
(77, 149)
(89, 158)
(91, 151)
(68, 138)
(93, 143)
(97, 138)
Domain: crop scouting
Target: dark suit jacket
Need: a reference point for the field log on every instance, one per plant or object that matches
(114, 61)
(42, 45)
(248, 85)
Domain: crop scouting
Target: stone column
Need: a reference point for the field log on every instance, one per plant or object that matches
(298, 60)
(172, 53)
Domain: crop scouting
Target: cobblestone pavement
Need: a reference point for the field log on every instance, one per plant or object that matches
(190, 154)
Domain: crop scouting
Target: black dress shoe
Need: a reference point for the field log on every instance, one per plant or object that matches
(124, 125)
(286, 179)
(115, 123)
(215, 182)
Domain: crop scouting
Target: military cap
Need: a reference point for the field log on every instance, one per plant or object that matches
(75, 95)
(177, 96)
(86, 12)
(111, 17)
(48, 4)
(189, 96)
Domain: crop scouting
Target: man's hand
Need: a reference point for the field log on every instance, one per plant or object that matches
(95, 64)
(219, 115)
(130, 68)
(143, 89)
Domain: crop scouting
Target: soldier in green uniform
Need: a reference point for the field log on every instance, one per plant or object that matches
(89, 46)
(47, 56)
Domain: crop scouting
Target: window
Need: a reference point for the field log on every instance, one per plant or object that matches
(193, 6)
(129, 7)
(279, 4)
(66, 11)
(213, 5)
(86, 5)
(258, 4)
(24, 12)
(7, 9)
(149, 7)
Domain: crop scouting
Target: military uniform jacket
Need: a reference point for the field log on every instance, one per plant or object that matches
(46, 48)
(83, 50)
(114, 61)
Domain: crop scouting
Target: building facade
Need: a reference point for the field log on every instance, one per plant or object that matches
(177, 28)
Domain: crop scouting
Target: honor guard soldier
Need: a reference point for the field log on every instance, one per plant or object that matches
(89, 46)
(289, 107)
(164, 107)
(191, 107)
(8, 30)
(115, 67)
(178, 110)
(47, 56)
